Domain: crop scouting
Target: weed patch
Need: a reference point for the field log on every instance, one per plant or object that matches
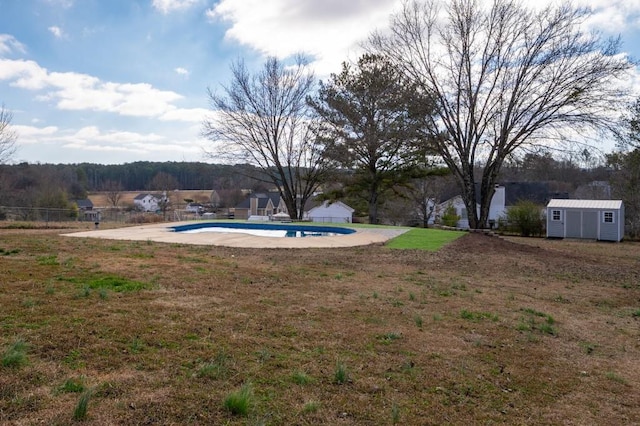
(80, 412)
(301, 378)
(4, 252)
(117, 284)
(310, 407)
(341, 374)
(240, 402)
(217, 368)
(72, 385)
(537, 321)
(51, 260)
(477, 316)
(15, 356)
(614, 377)
(390, 337)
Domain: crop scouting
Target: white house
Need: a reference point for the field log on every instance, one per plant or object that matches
(497, 208)
(336, 212)
(148, 202)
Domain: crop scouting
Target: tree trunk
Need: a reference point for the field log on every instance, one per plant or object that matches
(468, 186)
(373, 207)
(487, 189)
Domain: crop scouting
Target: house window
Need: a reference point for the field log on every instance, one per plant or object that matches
(556, 215)
(607, 217)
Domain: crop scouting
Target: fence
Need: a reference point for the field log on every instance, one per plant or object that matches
(43, 214)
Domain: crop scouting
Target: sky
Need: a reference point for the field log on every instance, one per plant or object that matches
(118, 81)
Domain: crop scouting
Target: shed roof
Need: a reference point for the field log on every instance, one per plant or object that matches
(585, 204)
(326, 204)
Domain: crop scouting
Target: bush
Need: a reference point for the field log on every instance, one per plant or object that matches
(450, 218)
(526, 218)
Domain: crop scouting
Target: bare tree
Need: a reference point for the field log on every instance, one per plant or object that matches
(425, 193)
(7, 135)
(167, 184)
(263, 119)
(505, 78)
(114, 192)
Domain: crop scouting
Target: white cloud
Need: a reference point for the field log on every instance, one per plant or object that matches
(194, 115)
(166, 6)
(91, 138)
(75, 91)
(31, 135)
(330, 30)
(56, 31)
(9, 44)
(182, 71)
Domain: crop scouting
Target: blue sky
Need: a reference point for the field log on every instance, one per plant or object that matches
(117, 81)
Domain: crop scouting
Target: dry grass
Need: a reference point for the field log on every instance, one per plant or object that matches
(510, 331)
(100, 199)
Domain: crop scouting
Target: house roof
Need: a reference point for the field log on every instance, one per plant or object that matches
(537, 192)
(84, 203)
(326, 204)
(143, 196)
(263, 200)
(585, 204)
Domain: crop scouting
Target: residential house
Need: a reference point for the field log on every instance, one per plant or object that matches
(149, 202)
(194, 208)
(497, 208)
(85, 210)
(505, 196)
(260, 206)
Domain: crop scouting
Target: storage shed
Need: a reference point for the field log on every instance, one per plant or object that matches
(588, 219)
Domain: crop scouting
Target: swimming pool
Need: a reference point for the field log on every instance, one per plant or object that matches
(273, 230)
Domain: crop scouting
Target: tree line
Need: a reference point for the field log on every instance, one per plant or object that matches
(58, 185)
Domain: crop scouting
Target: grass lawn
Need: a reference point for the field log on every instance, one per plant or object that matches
(424, 239)
(483, 331)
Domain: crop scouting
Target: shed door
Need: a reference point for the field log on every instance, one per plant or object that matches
(573, 223)
(590, 225)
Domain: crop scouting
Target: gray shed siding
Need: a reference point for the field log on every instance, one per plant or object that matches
(555, 228)
(610, 231)
(588, 219)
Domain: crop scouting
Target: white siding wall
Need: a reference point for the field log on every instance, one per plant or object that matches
(332, 213)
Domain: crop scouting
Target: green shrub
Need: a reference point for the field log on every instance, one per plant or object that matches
(525, 217)
(450, 218)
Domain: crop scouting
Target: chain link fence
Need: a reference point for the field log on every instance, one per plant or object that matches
(43, 214)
